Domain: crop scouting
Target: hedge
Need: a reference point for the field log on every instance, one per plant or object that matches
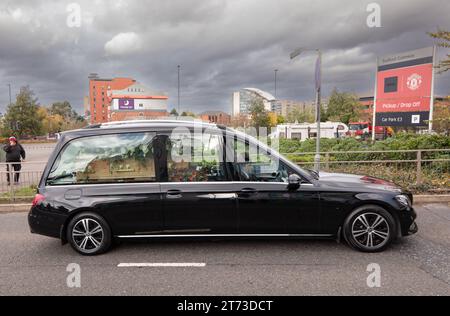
(344, 145)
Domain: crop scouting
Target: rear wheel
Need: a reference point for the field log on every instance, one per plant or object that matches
(89, 234)
(369, 228)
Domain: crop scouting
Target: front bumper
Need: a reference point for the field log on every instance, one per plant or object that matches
(413, 229)
(408, 223)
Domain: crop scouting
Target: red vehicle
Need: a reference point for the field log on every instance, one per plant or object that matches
(364, 130)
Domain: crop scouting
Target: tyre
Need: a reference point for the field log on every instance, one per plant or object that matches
(369, 228)
(89, 234)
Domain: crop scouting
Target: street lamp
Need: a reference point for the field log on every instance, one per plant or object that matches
(276, 71)
(318, 79)
(178, 89)
(9, 85)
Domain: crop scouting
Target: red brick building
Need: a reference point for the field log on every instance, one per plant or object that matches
(366, 104)
(99, 90)
(217, 117)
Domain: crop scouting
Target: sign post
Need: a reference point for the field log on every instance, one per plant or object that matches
(375, 104)
(430, 124)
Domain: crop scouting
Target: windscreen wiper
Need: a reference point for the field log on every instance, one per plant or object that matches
(63, 176)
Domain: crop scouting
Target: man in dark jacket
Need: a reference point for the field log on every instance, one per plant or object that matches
(14, 151)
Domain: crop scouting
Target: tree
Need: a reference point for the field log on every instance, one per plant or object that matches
(22, 117)
(323, 114)
(50, 123)
(281, 119)
(63, 109)
(343, 107)
(259, 115)
(300, 116)
(188, 113)
(174, 112)
(441, 117)
(444, 37)
(77, 123)
(272, 118)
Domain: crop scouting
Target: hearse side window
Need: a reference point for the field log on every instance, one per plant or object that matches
(195, 158)
(118, 158)
(253, 163)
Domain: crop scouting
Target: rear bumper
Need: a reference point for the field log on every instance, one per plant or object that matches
(46, 223)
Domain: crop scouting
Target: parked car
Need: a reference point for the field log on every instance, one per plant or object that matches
(364, 130)
(137, 180)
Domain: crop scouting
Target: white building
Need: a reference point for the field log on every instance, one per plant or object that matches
(309, 130)
(136, 101)
(242, 100)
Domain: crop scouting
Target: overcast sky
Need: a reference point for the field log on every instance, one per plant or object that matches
(221, 45)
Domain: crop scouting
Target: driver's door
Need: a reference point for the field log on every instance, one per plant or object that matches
(266, 206)
(262, 208)
(269, 208)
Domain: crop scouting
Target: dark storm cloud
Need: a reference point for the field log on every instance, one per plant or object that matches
(221, 45)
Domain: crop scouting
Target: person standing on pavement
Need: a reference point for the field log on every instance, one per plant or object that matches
(14, 153)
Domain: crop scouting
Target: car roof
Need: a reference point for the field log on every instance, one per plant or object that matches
(156, 125)
(134, 125)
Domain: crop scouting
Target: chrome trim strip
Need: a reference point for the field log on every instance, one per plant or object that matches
(169, 183)
(225, 235)
(174, 231)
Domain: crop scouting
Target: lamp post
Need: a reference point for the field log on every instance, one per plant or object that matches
(318, 80)
(9, 85)
(178, 89)
(275, 102)
(276, 71)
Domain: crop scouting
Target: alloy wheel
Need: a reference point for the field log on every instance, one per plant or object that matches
(370, 230)
(87, 235)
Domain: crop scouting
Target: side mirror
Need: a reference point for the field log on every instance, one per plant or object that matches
(294, 181)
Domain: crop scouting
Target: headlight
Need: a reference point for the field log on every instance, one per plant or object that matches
(403, 200)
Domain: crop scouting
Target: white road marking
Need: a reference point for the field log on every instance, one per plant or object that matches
(162, 264)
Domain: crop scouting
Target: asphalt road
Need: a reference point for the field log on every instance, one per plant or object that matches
(417, 265)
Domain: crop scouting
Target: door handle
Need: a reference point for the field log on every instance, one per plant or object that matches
(174, 194)
(248, 191)
(225, 196)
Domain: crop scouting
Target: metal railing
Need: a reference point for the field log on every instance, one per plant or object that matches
(29, 174)
(419, 170)
(18, 181)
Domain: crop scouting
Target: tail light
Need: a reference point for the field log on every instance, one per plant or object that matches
(38, 198)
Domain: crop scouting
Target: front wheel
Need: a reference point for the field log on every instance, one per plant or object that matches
(89, 234)
(369, 228)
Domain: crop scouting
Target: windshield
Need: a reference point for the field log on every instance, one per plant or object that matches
(355, 127)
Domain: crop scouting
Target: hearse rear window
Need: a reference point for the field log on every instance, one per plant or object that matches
(117, 158)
